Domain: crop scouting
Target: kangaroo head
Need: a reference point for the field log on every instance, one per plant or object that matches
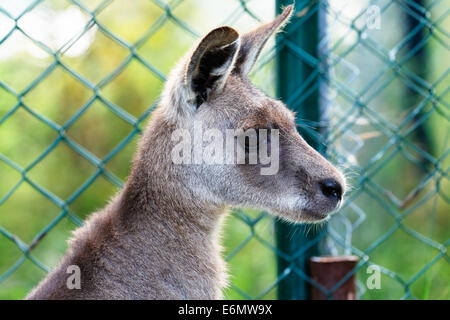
(207, 95)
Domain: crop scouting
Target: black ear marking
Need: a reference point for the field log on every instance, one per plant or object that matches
(204, 95)
(211, 63)
(201, 98)
(211, 69)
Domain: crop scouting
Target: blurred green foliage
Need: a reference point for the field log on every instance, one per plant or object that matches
(98, 129)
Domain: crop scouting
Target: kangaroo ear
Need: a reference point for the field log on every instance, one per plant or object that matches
(253, 42)
(211, 63)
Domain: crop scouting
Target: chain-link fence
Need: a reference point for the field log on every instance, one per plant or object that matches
(78, 79)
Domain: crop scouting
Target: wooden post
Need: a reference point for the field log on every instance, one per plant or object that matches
(328, 271)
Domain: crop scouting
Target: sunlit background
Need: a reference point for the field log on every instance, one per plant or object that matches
(78, 80)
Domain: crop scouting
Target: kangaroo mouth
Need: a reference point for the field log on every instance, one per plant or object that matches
(314, 216)
(321, 209)
(319, 214)
(303, 215)
(306, 213)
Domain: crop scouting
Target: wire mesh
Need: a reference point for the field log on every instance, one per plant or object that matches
(73, 102)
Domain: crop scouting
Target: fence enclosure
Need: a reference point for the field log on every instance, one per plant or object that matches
(369, 81)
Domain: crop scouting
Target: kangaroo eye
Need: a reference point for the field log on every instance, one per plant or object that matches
(259, 138)
(247, 144)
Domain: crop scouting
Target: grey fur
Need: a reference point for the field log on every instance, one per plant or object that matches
(159, 237)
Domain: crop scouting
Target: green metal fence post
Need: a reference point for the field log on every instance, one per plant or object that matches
(292, 73)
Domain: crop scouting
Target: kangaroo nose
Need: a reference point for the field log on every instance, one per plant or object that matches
(331, 189)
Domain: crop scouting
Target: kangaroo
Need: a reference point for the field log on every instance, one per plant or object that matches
(159, 237)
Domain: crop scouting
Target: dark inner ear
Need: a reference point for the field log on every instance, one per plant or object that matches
(247, 46)
(209, 70)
